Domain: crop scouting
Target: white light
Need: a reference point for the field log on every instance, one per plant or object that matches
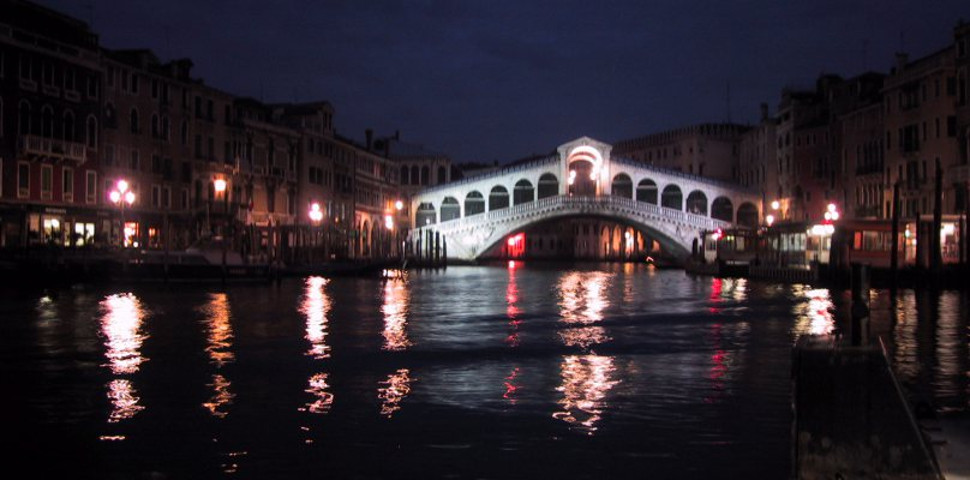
(220, 185)
(769, 219)
(819, 230)
(388, 222)
(55, 224)
(775, 205)
(122, 186)
(130, 197)
(115, 196)
(399, 205)
(831, 207)
(828, 216)
(947, 229)
(835, 216)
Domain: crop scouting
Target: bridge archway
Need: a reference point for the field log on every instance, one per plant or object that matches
(697, 203)
(581, 181)
(622, 186)
(450, 209)
(647, 191)
(672, 198)
(722, 209)
(748, 215)
(523, 192)
(474, 203)
(425, 215)
(548, 185)
(498, 198)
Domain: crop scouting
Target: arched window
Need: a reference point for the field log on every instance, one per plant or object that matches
(133, 120)
(415, 175)
(23, 117)
(110, 118)
(523, 193)
(548, 185)
(442, 175)
(498, 198)
(405, 175)
(68, 126)
(92, 131)
(156, 130)
(474, 203)
(425, 215)
(697, 203)
(748, 215)
(672, 197)
(425, 175)
(647, 191)
(722, 209)
(622, 186)
(450, 209)
(166, 133)
(184, 134)
(47, 121)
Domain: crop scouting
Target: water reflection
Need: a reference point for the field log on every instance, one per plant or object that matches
(322, 397)
(949, 343)
(813, 312)
(586, 380)
(393, 391)
(906, 351)
(397, 300)
(316, 306)
(219, 335)
(121, 325)
(512, 310)
(221, 398)
(124, 400)
(512, 386)
(582, 301)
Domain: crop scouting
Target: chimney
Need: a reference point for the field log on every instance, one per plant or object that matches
(369, 134)
(764, 111)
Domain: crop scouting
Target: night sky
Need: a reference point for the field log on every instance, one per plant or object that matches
(500, 80)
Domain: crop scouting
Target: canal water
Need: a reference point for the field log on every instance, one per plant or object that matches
(501, 371)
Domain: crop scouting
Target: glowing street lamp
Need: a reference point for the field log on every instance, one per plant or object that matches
(399, 205)
(775, 204)
(122, 196)
(315, 214)
(769, 219)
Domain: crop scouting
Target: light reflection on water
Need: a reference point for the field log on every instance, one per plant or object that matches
(393, 391)
(586, 381)
(121, 326)
(397, 298)
(582, 301)
(814, 312)
(577, 362)
(316, 306)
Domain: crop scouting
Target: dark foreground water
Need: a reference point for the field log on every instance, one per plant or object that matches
(539, 371)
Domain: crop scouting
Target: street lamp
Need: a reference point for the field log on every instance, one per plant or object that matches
(122, 196)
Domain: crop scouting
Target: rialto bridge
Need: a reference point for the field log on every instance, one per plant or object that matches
(582, 179)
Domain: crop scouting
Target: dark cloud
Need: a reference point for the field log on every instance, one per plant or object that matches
(504, 79)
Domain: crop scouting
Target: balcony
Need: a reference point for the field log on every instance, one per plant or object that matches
(37, 147)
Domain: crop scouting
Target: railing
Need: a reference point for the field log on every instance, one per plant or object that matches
(34, 145)
(502, 171)
(685, 176)
(581, 203)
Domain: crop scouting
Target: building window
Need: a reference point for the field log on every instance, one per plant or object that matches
(184, 135)
(67, 185)
(68, 126)
(47, 121)
(93, 86)
(165, 129)
(951, 126)
(23, 118)
(167, 197)
(134, 163)
(156, 196)
(133, 120)
(46, 181)
(134, 84)
(23, 180)
(156, 127)
(91, 187)
(92, 132)
(184, 199)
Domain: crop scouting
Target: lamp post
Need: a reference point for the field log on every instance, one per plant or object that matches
(122, 196)
(219, 186)
(316, 216)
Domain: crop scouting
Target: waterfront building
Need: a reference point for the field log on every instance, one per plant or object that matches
(757, 158)
(709, 150)
(50, 125)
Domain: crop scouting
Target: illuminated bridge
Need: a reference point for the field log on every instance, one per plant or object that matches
(582, 179)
